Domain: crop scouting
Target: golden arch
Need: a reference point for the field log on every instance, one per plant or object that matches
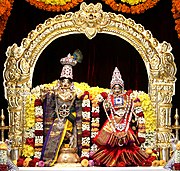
(90, 20)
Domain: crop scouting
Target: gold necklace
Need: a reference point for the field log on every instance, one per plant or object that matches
(64, 110)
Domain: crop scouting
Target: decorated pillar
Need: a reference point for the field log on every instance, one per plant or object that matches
(16, 83)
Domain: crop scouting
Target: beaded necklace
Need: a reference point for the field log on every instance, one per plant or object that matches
(123, 124)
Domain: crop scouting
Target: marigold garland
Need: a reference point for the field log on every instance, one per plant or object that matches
(63, 5)
(5, 11)
(133, 2)
(133, 9)
(176, 15)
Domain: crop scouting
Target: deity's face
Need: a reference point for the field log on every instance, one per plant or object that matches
(65, 83)
(117, 89)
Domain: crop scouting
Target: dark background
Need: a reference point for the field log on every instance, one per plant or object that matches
(101, 54)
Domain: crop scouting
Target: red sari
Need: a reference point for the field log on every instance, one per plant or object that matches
(120, 146)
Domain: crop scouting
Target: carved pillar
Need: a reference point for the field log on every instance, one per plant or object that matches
(164, 135)
(16, 75)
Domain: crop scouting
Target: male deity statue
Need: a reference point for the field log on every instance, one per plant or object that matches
(60, 121)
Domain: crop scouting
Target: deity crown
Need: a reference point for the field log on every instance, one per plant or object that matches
(116, 78)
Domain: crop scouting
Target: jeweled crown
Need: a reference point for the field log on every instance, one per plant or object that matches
(116, 78)
(69, 62)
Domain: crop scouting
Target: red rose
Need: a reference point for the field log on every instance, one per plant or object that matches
(20, 162)
(141, 139)
(85, 133)
(38, 132)
(33, 162)
(84, 157)
(3, 167)
(104, 95)
(154, 151)
(85, 93)
(37, 102)
(136, 100)
(95, 114)
(30, 141)
(177, 166)
(86, 109)
(129, 92)
(140, 114)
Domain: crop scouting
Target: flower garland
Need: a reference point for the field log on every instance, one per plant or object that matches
(86, 115)
(148, 110)
(55, 5)
(133, 2)
(5, 9)
(38, 128)
(133, 9)
(28, 147)
(176, 15)
(90, 118)
(95, 121)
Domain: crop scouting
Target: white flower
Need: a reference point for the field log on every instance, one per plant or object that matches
(86, 115)
(86, 103)
(95, 120)
(85, 154)
(93, 134)
(29, 133)
(37, 154)
(85, 140)
(94, 148)
(85, 127)
(95, 109)
(38, 111)
(38, 140)
(38, 126)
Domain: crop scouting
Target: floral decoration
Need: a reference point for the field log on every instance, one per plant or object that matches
(176, 15)
(148, 110)
(38, 128)
(29, 134)
(5, 11)
(91, 98)
(55, 5)
(86, 115)
(133, 9)
(133, 2)
(95, 118)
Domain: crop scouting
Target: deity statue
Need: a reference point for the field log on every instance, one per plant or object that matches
(60, 120)
(123, 132)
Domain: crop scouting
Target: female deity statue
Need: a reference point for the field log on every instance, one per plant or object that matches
(121, 135)
(60, 120)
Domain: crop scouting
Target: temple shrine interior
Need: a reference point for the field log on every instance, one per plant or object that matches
(89, 85)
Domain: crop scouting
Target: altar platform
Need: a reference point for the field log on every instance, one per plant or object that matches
(92, 168)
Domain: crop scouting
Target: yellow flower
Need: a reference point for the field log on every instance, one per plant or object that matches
(27, 151)
(133, 2)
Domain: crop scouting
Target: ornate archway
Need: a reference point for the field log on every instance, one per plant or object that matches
(90, 20)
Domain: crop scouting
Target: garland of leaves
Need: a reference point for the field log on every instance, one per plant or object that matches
(5, 11)
(176, 15)
(56, 6)
(133, 9)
